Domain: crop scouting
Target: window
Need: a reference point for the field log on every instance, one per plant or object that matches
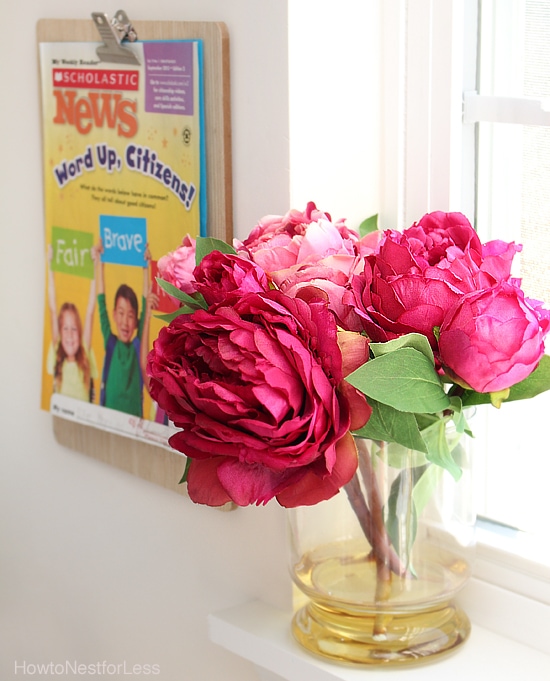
(428, 52)
(379, 127)
(436, 158)
(513, 203)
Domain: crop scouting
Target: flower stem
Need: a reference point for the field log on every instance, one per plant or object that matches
(371, 519)
(382, 595)
(360, 508)
(376, 536)
(382, 546)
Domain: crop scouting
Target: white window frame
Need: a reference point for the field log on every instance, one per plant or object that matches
(428, 163)
(423, 80)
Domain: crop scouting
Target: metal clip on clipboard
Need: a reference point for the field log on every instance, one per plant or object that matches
(113, 33)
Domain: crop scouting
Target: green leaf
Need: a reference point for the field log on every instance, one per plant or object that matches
(404, 379)
(186, 471)
(184, 309)
(369, 225)
(425, 487)
(459, 417)
(439, 451)
(390, 425)
(196, 303)
(207, 244)
(400, 513)
(398, 456)
(426, 420)
(409, 340)
(471, 398)
(537, 382)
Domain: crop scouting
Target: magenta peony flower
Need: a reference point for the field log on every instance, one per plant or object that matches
(417, 276)
(497, 259)
(177, 267)
(437, 235)
(394, 297)
(255, 388)
(220, 275)
(466, 272)
(493, 338)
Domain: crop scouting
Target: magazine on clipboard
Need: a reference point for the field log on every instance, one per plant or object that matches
(124, 182)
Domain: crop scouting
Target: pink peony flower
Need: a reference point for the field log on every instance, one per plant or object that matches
(307, 249)
(332, 275)
(291, 224)
(368, 244)
(220, 276)
(177, 266)
(280, 242)
(255, 388)
(493, 338)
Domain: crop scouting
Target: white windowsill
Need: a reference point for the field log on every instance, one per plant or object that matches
(514, 560)
(261, 634)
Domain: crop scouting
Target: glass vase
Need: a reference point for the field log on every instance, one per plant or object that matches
(378, 566)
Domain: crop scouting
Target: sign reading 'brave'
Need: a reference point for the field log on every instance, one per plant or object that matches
(124, 239)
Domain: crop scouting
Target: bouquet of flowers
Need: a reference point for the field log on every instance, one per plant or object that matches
(308, 332)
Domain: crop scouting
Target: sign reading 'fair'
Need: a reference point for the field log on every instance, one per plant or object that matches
(124, 240)
(71, 252)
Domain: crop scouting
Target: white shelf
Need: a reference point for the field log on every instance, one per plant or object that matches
(261, 634)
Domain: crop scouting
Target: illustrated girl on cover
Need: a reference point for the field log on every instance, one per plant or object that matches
(70, 360)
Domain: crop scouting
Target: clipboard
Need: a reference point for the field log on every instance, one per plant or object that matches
(151, 462)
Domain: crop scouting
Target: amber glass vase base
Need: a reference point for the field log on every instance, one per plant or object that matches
(390, 639)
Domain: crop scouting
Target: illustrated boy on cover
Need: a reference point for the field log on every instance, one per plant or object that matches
(122, 380)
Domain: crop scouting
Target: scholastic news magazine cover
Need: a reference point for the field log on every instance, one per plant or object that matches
(124, 180)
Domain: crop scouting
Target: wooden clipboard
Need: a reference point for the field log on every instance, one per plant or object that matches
(150, 462)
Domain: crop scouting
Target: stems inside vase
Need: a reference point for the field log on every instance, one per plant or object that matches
(369, 509)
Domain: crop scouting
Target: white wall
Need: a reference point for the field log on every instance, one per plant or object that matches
(96, 564)
(335, 107)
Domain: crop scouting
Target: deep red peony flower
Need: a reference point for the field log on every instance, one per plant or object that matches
(220, 276)
(256, 389)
